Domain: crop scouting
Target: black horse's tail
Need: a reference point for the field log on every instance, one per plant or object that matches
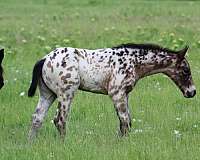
(37, 73)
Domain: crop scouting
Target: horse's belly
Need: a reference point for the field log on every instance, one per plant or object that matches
(94, 80)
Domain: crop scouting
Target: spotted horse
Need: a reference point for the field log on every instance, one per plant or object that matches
(111, 71)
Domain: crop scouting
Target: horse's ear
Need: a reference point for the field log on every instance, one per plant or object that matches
(1, 55)
(182, 53)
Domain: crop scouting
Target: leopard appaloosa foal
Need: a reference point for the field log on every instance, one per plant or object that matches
(111, 71)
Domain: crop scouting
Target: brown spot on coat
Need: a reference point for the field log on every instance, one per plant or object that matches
(64, 64)
(49, 64)
(70, 68)
(61, 72)
(68, 87)
(78, 53)
(64, 79)
(68, 75)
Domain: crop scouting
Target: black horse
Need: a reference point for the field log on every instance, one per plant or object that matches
(1, 68)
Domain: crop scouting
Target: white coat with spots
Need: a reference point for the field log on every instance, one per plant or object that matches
(112, 71)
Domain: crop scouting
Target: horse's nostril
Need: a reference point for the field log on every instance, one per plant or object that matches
(191, 94)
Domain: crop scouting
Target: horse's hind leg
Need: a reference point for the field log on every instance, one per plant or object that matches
(46, 98)
(62, 113)
(64, 102)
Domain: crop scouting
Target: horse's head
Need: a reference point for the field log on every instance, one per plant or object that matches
(180, 73)
(1, 68)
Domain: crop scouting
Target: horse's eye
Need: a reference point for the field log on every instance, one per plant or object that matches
(186, 71)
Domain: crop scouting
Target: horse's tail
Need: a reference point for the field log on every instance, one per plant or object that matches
(37, 73)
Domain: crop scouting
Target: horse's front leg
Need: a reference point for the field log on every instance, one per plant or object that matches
(120, 100)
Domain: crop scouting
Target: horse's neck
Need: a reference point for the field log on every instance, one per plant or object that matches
(152, 63)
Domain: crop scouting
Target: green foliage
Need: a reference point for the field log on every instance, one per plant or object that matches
(165, 125)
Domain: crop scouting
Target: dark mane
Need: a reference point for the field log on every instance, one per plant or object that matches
(147, 46)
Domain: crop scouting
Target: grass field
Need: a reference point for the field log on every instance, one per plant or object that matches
(165, 124)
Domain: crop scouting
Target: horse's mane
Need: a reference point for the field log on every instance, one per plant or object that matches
(147, 46)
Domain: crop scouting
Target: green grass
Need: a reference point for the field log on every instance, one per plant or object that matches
(30, 29)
